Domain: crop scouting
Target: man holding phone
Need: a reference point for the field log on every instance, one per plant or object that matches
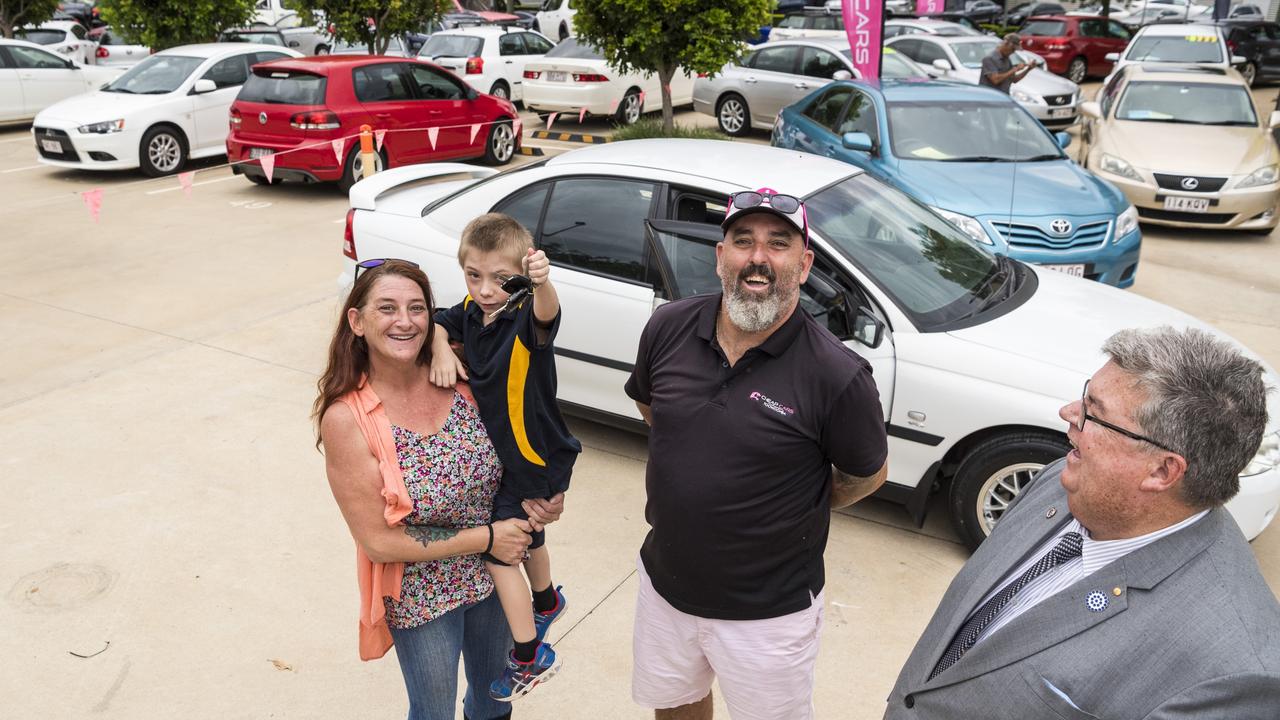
(998, 71)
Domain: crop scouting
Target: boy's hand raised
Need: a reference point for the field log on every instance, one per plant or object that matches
(536, 266)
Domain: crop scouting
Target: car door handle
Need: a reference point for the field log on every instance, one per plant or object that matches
(801, 86)
(509, 62)
(382, 116)
(750, 80)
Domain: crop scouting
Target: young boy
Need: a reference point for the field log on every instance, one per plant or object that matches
(510, 364)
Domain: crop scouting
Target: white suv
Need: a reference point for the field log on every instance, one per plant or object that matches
(556, 18)
(1189, 44)
(490, 58)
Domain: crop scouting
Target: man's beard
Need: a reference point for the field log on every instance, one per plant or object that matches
(752, 313)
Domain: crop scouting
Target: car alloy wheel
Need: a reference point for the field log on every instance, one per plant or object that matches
(1077, 70)
(629, 111)
(733, 116)
(1000, 489)
(499, 90)
(1250, 73)
(502, 144)
(163, 152)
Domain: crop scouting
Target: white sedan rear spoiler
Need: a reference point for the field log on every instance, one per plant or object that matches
(364, 194)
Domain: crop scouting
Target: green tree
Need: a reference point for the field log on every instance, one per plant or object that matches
(661, 36)
(16, 13)
(162, 24)
(373, 23)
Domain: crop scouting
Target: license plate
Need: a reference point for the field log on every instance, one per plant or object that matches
(1061, 112)
(255, 153)
(557, 76)
(52, 146)
(1072, 270)
(1187, 204)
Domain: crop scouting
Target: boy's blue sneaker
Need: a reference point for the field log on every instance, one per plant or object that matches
(518, 679)
(542, 620)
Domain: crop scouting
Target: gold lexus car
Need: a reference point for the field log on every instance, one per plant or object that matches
(1186, 145)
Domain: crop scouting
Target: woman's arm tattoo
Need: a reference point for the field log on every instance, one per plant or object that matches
(428, 535)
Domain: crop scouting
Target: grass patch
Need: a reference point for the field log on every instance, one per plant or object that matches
(652, 128)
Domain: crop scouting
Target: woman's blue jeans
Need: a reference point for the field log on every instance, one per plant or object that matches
(429, 653)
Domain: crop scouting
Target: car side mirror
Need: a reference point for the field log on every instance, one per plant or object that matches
(1112, 57)
(71, 64)
(867, 328)
(1063, 139)
(942, 64)
(1091, 109)
(842, 75)
(858, 141)
(1275, 119)
(1237, 60)
(203, 86)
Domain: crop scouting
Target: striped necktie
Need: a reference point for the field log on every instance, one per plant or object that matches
(1066, 549)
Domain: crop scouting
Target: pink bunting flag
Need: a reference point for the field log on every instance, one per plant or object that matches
(379, 134)
(185, 179)
(550, 119)
(641, 101)
(475, 130)
(432, 134)
(613, 107)
(268, 165)
(581, 114)
(93, 201)
(518, 127)
(339, 146)
(667, 88)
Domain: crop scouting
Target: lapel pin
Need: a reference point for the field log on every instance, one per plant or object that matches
(1051, 512)
(1116, 591)
(1096, 601)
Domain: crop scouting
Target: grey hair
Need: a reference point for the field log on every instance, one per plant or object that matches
(1204, 398)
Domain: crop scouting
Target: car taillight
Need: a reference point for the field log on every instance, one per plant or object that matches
(703, 75)
(235, 118)
(1231, 45)
(103, 52)
(475, 66)
(321, 120)
(532, 74)
(349, 236)
(589, 77)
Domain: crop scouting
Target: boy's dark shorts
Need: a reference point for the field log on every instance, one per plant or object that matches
(507, 505)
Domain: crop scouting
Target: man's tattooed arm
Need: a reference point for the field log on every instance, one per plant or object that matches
(428, 535)
(849, 489)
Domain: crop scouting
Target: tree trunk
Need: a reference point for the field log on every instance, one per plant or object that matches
(665, 73)
(1106, 8)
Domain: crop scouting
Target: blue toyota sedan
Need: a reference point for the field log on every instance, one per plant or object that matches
(980, 161)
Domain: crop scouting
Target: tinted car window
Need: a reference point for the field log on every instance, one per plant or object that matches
(41, 37)
(431, 85)
(825, 110)
(819, 63)
(452, 46)
(537, 44)
(380, 83)
(792, 21)
(31, 58)
(1116, 30)
(776, 59)
(581, 227)
(525, 206)
(930, 52)
(283, 87)
(827, 22)
(909, 47)
(571, 48)
(860, 117)
(78, 31)
(510, 44)
(262, 57)
(230, 72)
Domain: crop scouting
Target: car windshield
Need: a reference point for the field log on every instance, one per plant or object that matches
(261, 38)
(283, 87)
(968, 132)
(1183, 49)
(932, 270)
(1048, 28)
(156, 75)
(1199, 104)
(970, 54)
(42, 37)
(451, 46)
(571, 48)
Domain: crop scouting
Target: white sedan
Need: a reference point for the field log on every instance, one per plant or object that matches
(67, 38)
(973, 353)
(166, 109)
(574, 76)
(32, 79)
(490, 58)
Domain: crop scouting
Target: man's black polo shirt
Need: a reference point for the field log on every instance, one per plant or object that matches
(740, 458)
(513, 378)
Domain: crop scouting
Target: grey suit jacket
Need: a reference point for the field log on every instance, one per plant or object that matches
(1190, 630)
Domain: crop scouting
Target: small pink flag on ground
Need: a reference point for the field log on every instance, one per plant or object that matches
(93, 201)
(550, 119)
(377, 139)
(185, 179)
(641, 101)
(518, 127)
(475, 130)
(581, 114)
(268, 165)
(432, 134)
(338, 146)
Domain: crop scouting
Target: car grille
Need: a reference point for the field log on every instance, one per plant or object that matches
(1058, 100)
(1203, 184)
(1189, 217)
(1027, 235)
(68, 153)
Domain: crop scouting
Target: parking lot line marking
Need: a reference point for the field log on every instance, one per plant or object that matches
(13, 170)
(179, 187)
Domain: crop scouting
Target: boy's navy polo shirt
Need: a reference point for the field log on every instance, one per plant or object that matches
(740, 458)
(513, 378)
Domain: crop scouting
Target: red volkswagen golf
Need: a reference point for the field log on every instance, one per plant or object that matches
(294, 109)
(1074, 46)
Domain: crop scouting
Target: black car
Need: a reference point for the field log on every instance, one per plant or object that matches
(983, 11)
(1259, 43)
(1018, 14)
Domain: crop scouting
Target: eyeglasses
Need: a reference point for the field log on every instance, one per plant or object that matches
(1085, 417)
(375, 262)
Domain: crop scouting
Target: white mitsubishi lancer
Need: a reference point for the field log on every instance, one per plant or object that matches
(973, 353)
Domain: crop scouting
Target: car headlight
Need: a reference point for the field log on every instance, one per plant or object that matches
(1262, 176)
(1116, 166)
(1026, 97)
(1268, 456)
(1126, 222)
(102, 128)
(970, 226)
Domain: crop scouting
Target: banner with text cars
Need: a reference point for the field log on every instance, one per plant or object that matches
(864, 24)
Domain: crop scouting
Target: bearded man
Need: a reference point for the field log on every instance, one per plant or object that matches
(761, 422)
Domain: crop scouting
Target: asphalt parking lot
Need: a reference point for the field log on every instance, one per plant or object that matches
(171, 546)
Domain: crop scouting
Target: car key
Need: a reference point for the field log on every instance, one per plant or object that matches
(518, 288)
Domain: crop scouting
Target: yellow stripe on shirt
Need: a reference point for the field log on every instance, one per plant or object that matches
(516, 375)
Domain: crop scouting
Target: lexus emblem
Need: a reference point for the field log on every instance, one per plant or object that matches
(1061, 226)
(1190, 183)
(262, 118)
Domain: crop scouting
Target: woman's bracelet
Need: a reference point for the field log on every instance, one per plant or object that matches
(488, 548)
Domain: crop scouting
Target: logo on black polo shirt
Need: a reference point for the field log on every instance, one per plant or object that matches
(772, 404)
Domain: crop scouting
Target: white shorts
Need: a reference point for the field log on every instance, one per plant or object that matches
(765, 667)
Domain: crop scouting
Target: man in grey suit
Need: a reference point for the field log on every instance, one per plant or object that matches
(1117, 586)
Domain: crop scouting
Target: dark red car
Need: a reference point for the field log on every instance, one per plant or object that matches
(294, 108)
(1074, 46)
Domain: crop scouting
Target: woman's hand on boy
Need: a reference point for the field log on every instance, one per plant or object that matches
(446, 367)
(510, 540)
(537, 267)
(543, 512)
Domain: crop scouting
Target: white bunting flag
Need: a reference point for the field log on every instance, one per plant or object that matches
(268, 165)
(377, 138)
(475, 129)
(432, 134)
(185, 179)
(581, 114)
(550, 119)
(338, 146)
